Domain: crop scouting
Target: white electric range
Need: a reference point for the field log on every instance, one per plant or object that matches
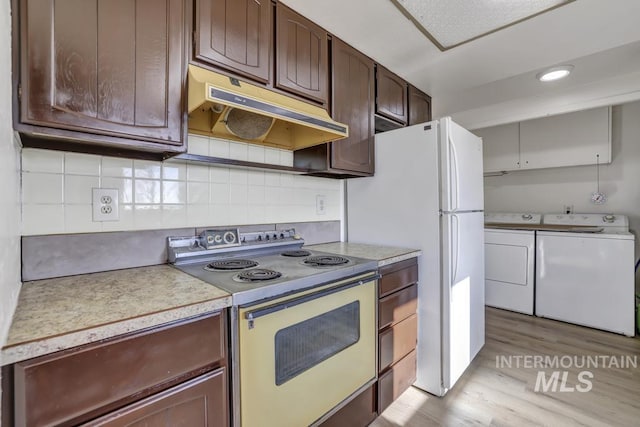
(299, 318)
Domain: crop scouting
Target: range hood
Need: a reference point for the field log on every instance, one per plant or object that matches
(227, 108)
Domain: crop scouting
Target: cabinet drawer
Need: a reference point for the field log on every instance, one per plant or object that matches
(397, 276)
(393, 383)
(201, 401)
(397, 341)
(397, 306)
(361, 411)
(79, 384)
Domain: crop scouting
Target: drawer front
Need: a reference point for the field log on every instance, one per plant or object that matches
(398, 276)
(79, 384)
(397, 306)
(397, 341)
(201, 401)
(361, 411)
(393, 383)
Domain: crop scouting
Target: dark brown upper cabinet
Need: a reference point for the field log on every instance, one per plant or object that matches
(391, 96)
(419, 106)
(302, 56)
(353, 81)
(110, 73)
(235, 35)
(353, 103)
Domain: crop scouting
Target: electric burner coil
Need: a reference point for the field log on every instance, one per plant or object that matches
(258, 275)
(326, 260)
(296, 254)
(231, 264)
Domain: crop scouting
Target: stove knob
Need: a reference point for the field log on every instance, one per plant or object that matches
(282, 235)
(267, 237)
(229, 237)
(260, 238)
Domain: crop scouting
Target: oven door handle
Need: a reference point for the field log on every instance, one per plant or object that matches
(252, 315)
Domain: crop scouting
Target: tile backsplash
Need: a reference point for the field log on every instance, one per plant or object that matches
(57, 186)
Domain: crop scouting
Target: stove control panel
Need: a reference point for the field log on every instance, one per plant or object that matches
(274, 236)
(210, 239)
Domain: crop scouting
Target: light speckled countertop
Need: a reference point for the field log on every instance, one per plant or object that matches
(385, 255)
(60, 313)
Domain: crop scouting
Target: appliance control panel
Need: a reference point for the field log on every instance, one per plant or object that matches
(598, 220)
(220, 238)
(262, 237)
(512, 218)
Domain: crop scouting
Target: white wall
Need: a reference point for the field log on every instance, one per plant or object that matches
(56, 190)
(10, 185)
(548, 190)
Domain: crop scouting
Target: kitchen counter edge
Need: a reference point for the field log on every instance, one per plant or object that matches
(214, 299)
(384, 255)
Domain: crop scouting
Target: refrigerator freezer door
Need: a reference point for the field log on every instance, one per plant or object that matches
(462, 292)
(462, 184)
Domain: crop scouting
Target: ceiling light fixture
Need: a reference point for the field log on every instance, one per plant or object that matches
(554, 73)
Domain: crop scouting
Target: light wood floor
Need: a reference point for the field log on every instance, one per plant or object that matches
(492, 395)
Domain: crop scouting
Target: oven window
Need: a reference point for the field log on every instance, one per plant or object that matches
(302, 346)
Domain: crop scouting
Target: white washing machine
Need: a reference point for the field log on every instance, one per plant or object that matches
(586, 276)
(509, 246)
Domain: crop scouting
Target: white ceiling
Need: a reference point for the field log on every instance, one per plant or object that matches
(491, 80)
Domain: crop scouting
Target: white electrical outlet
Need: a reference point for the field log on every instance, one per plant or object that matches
(321, 204)
(105, 204)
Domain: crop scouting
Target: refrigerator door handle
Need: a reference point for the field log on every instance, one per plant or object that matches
(455, 250)
(453, 175)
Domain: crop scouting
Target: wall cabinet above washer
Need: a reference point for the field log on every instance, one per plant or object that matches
(571, 139)
(500, 147)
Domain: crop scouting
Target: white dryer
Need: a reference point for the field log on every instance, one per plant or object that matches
(509, 244)
(585, 271)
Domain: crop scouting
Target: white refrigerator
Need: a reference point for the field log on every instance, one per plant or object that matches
(427, 193)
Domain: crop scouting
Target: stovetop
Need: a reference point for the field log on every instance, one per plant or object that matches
(283, 262)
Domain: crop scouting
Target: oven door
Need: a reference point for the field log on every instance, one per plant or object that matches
(302, 355)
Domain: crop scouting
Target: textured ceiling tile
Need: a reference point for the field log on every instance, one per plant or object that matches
(452, 22)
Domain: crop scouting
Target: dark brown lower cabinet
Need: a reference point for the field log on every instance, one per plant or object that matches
(397, 341)
(398, 330)
(201, 402)
(175, 369)
(396, 380)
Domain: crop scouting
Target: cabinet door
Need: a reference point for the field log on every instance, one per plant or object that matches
(571, 139)
(419, 106)
(391, 95)
(236, 35)
(302, 59)
(104, 67)
(353, 103)
(52, 389)
(201, 402)
(500, 147)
